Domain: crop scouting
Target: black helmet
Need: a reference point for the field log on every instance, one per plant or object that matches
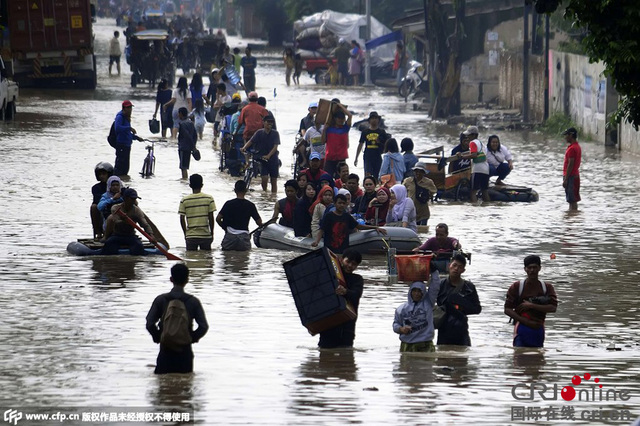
(103, 165)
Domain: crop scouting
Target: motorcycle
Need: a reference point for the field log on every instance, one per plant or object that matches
(414, 81)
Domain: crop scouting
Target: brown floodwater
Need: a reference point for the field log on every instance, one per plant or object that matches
(73, 329)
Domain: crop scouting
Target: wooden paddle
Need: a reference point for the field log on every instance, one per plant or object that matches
(264, 225)
(149, 237)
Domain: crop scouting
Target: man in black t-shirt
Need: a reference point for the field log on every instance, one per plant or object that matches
(337, 225)
(373, 139)
(234, 219)
(463, 163)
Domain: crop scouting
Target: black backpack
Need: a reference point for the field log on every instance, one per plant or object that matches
(112, 138)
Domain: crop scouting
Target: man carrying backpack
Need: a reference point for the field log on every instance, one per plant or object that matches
(170, 323)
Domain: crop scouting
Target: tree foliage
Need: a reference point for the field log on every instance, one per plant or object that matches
(612, 36)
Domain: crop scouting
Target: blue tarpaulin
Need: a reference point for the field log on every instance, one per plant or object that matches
(387, 38)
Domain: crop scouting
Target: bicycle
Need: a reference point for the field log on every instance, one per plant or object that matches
(252, 168)
(149, 163)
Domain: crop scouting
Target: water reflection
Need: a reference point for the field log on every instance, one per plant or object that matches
(114, 272)
(324, 385)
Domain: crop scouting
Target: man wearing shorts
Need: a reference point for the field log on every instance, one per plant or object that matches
(114, 52)
(528, 302)
(266, 141)
(479, 166)
(571, 169)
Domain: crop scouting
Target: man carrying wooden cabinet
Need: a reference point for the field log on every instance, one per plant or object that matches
(343, 335)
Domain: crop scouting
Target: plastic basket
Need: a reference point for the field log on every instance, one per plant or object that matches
(413, 267)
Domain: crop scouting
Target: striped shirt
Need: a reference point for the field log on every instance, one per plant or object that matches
(196, 209)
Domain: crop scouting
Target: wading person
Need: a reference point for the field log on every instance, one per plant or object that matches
(458, 298)
(187, 139)
(124, 139)
(479, 165)
(343, 335)
(234, 219)
(571, 168)
(373, 140)
(528, 302)
(115, 52)
(249, 64)
(170, 323)
(196, 216)
(413, 320)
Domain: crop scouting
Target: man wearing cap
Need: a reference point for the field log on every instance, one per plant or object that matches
(336, 138)
(420, 189)
(249, 64)
(373, 140)
(309, 119)
(196, 216)
(251, 117)
(479, 165)
(313, 137)
(571, 168)
(118, 232)
(342, 55)
(124, 139)
(315, 171)
(266, 143)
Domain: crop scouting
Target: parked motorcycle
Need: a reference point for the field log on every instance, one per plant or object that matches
(415, 80)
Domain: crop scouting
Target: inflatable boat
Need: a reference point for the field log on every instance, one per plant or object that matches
(511, 193)
(91, 247)
(280, 237)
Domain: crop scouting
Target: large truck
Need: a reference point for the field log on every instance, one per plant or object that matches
(49, 42)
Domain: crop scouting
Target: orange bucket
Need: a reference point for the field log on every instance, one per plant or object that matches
(413, 267)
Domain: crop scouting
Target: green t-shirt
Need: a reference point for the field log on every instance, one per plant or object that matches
(196, 209)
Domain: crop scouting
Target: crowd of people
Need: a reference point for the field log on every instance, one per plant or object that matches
(324, 202)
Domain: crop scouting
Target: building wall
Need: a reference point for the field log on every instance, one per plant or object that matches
(510, 84)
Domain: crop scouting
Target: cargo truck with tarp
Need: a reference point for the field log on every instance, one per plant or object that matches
(49, 42)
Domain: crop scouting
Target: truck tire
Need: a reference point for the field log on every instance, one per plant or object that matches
(10, 111)
(321, 76)
(134, 80)
(3, 112)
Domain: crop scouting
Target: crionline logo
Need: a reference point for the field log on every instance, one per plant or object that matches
(589, 392)
(12, 416)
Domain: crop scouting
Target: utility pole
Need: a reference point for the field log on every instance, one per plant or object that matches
(367, 66)
(525, 65)
(546, 67)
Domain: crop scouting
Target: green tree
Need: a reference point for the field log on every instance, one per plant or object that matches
(612, 32)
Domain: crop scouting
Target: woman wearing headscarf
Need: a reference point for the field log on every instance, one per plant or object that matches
(111, 197)
(378, 207)
(402, 211)
(317, 209)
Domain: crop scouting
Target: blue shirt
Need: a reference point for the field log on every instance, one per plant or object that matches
(249, 65)
(123, 130)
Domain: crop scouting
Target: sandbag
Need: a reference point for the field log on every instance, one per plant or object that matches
(313, 32)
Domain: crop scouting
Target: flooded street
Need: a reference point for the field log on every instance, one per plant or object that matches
(73, 329)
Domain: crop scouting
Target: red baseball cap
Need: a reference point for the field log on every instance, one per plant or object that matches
(126, 104)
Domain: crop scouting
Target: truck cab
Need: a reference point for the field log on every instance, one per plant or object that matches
(8, 94)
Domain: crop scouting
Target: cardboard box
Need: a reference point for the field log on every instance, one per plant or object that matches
(313, 279)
